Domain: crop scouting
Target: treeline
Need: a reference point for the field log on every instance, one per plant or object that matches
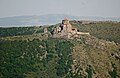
(17, 31)
(14, 31)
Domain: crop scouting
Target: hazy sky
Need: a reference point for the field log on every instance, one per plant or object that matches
(108, 8)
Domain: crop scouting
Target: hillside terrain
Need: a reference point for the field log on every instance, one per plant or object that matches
(27, 52)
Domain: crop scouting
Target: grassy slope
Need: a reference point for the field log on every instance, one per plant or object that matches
(104, 30)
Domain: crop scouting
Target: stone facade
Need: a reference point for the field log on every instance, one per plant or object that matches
(65, 30)
(45, 30)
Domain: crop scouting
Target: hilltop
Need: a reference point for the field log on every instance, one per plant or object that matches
(103, 30)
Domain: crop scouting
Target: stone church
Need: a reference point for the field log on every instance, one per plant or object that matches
(65, 30)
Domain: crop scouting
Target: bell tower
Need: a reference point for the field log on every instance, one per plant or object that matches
(66, 25)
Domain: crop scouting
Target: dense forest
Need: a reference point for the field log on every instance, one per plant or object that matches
(20, 57)
(57, 58)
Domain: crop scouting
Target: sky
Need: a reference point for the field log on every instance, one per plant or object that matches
(104, 8)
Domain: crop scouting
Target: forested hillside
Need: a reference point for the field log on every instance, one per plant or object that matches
(15, 31)
(20, 58)
(85, 57)
(27, 52)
